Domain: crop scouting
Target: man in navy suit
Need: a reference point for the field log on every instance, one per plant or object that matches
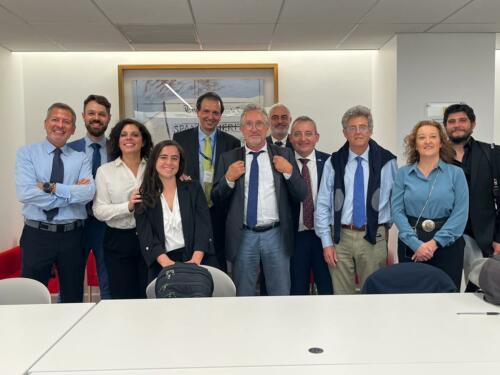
(96, 116)
(202, 147)
(308, 254)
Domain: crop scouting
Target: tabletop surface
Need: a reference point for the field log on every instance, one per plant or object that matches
(279, 331)
(28, 331)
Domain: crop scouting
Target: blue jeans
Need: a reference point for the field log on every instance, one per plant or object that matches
(269, 248)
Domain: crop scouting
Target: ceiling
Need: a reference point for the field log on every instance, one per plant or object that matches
(253, 25)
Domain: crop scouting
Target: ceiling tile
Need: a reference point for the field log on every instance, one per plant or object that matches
(479, 11)
(166, 47)
(54, 10)
(236, 47)
(374, 36)
(240, 11)
(315, 33)
(74, 32)
(235, 34)
(466, 28)
(92, 47)
(148, 34)
(314, 11)
(412, 11)
(146, 11)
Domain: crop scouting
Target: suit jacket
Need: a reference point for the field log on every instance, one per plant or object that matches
(196, 226)
(321, 158)
(286, 190)
(188, 139)
(484, 220)
(288, 144)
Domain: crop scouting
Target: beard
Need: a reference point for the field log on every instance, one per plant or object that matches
(96, 132)
(459, 139)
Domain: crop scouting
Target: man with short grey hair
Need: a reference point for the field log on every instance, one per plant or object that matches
(256, 182)
(353, 211)
(280, 120)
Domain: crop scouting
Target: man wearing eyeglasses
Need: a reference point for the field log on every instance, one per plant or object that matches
(353, 211)
(280, 120)
(257, 182)
(480, 163)
(203, 146)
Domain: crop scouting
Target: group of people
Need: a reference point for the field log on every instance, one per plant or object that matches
(276, 209)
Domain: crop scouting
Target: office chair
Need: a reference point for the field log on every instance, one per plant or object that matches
(23, 291)
(408, 278)
(223, 285)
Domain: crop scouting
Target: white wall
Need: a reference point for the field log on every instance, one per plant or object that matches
(13, 135)
(320, 84)
(445, 68)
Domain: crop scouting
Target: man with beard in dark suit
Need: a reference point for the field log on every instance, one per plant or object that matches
(480, 162)
(203, 146)
(280, 120)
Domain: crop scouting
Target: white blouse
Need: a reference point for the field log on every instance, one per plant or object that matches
(172, 224)
(114, 183)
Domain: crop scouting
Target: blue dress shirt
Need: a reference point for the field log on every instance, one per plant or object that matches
(34, 164)
(324, 212)
(201, 141)
(89, 150)
(449, 198)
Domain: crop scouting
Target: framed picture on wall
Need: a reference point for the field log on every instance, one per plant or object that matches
(163, 97)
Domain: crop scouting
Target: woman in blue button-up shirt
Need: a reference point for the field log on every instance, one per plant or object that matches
(431, 192)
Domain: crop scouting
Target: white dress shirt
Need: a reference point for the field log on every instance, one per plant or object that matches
(267, 207)
(172, 224)
(115, 182)
(313, 172)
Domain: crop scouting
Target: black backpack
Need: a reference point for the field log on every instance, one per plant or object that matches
(184, 280)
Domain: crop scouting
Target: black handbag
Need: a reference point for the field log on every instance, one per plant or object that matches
(184, 280)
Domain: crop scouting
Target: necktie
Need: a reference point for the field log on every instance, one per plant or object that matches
(278, 143)
(253, 190)
(96, 157)
(358, 209)
(307, 203)
(207, 167)
(57, 175)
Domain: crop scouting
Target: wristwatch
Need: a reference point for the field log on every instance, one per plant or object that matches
(48, 187)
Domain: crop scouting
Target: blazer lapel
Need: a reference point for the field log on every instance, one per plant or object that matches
(157, 220)
(276, 174)
(184, 206)
(476, 156)
(320, 163)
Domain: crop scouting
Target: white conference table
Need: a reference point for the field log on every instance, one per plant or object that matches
(28, 331)
(196, 335)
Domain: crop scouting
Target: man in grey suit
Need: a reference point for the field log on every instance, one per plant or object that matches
(257, 183)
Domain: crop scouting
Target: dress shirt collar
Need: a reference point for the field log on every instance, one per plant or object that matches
(311, 156)
(201, 136)
(274, 140)
(49, 147)
(364, 155)
(263, 149)
(118, 161)
(89, 141)
(414, 167)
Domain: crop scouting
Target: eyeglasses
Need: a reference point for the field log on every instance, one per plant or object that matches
(354, 129)
(259, 125)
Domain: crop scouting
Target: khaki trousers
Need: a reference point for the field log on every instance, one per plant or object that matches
(356, 255)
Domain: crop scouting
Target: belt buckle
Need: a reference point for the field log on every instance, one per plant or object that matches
(428, 225)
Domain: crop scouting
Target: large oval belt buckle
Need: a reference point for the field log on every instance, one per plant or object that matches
(428, 225)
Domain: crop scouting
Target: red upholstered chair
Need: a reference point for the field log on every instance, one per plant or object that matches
(10, 263)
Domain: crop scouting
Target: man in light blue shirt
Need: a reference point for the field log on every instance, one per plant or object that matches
(353, 212)
(54, 182)
(96, 117)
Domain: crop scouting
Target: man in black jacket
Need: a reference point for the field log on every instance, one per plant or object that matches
(479, 162)
(203, 146)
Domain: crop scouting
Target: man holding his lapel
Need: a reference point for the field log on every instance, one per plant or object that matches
(480, 162)
(96, 116)
(203, 146)
(308, 253)
(257, 183)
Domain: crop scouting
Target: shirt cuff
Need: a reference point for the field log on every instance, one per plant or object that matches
(326, 240)
(230, 183)
(287, 176)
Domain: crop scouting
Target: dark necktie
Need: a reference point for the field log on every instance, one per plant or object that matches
(57, 175)
(253, 191)
(96, 157)
(307, 203)
(278, 143)
(358, 203)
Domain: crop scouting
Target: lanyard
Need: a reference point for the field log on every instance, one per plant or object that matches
(211, 160)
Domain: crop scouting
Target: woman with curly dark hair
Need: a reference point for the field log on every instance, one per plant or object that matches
(117, 192)
(430, 202)
(173, 220)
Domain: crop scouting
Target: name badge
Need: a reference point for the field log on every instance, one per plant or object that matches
(208, 176)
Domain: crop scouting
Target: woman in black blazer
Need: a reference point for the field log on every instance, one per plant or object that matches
(173, 220)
